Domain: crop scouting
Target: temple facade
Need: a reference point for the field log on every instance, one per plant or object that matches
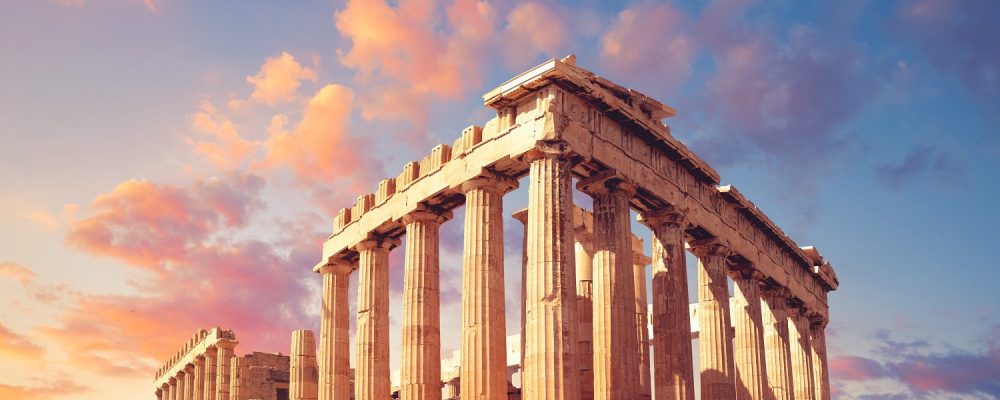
(556, 124)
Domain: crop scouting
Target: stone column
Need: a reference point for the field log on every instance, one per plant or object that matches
(484, 331)
(303, 377)
(198, 387)
(523, 217)
(225, 354)
(748, 342)
(615, 360)
(238, 372)
(334, 346)
(551, 357)
(181, 385)
(715, 344)
(801, 349)
(173, 388)
(585, 311)
(639, 262)
(371, 380)
(189, 382)
(159, 394)
(776, 346)
(420, 371)
(673, 363)
(165, 389)
(211, 355)
(821, 372)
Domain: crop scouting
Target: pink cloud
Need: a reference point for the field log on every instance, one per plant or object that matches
(226, 149)
(17, 272)
(43, 389)
(279, 79)
(628, 51)
(149, 224)
(19, 346)
(851, 368)
(533, 29)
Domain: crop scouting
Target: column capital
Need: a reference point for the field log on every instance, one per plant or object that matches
(337, 266)
(608, 180)
(198, 361)
(745, 271)
(189, 368)
(521, 215)
(548, 149)
(669, 216)
(817, 319)
(490, 181)
(424, 213)
(227, 344)
(710, 247)
(375, 241)
(172, 380)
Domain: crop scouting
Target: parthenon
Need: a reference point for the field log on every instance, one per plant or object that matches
(588, 329)
(555, 123)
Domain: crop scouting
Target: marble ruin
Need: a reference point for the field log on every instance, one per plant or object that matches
(587, 329)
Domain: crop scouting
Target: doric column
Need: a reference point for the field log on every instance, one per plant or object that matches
(673, 363)
(716, 347)
(222, 370)
(238, 374)
(181, 383)
(776, 345)
(801, 349)
(484, 331)
(639, 263)
(615, 360)
(523, 217)
(189, 382)
(173, 388)
(165, 391)
(303, 376)
(420, 369)
(585, 310)
(371, 380)
(748, 342)
(211, 355)
(821, 372)
(198, 387)
(551, 361)
(334, 343)
(159, 394)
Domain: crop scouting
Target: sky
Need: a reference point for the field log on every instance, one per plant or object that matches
(170, 165)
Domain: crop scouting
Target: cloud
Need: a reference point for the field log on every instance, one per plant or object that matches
(19, 346)
(226, 149)
(533, 29)
(44, 219)
(919, 161)
(649, 42)
(17, 272)
(149, 224)
(44, 389)
(959, 38)
(279, 79)
(925, 374)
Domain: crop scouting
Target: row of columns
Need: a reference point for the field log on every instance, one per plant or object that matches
(553, 346)
(207, 377)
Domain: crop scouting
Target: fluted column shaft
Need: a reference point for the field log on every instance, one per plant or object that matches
(334, 359)
(716, 347)
(673, 364)
(551, 360)
(522, 216)
(615, 360)
(776, 345)
(173, 388)
(159, 394)
(238, 370)
(585, 311)
(372, 366)
(420, 369)
(484, 331)
(222, 381)
(303, 375)
(801, 349)
(181, 386)
(748, 343)
(211, 355)
(644, 387)
(198, 384)
(821, 372)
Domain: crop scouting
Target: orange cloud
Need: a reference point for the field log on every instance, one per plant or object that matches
(227, 149)
(279, 78)
(533, 29)
(319, 150)
(46, 389)
(148, 224)
(14, 345)
(17, 272)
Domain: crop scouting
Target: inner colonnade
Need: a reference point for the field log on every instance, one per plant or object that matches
(556, 123)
